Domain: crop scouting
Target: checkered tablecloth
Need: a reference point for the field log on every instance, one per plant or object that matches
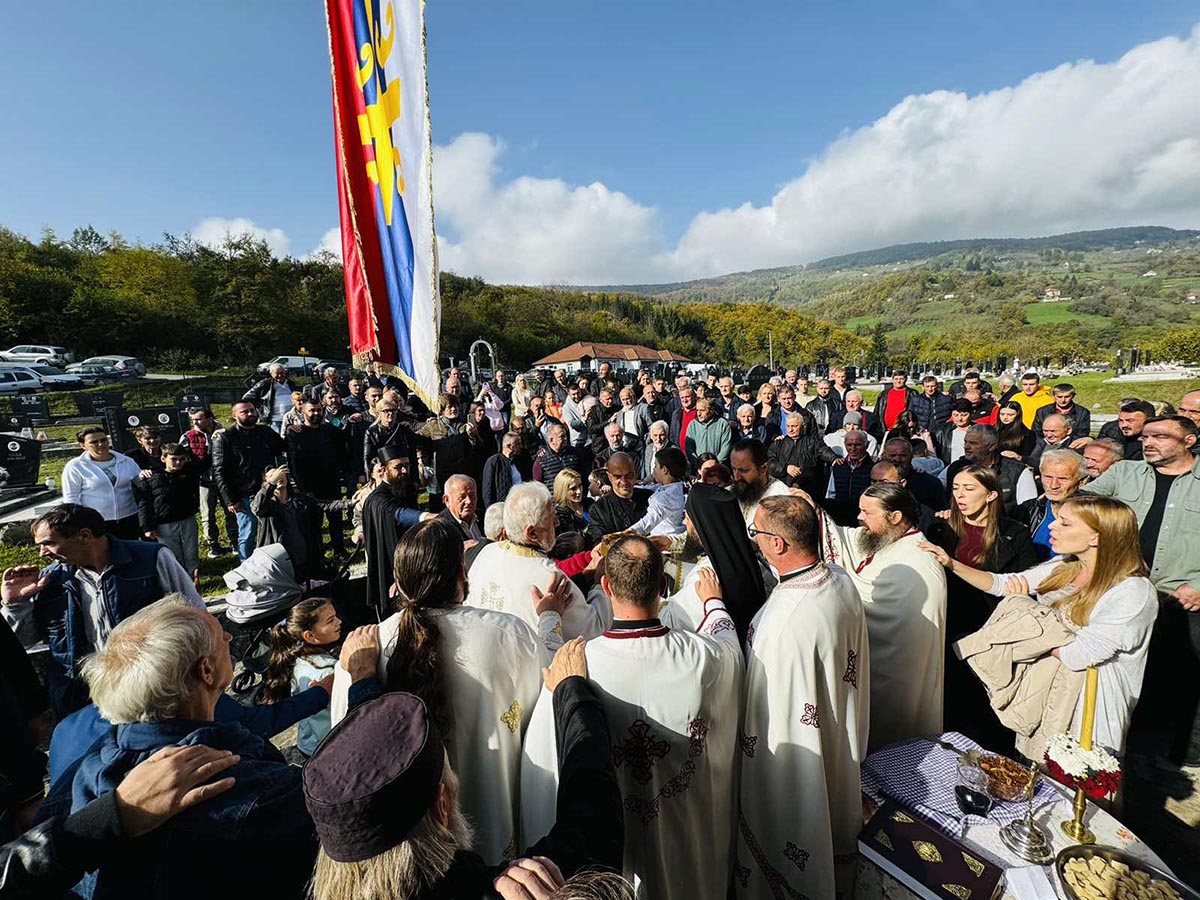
(921, 776)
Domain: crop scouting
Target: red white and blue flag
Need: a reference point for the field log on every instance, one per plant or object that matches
(385, 191)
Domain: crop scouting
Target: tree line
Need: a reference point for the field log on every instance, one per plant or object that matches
(180, 304)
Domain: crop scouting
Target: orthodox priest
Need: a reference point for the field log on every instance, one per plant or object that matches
(517, 576)
(477, 671)
(904, 598)
(715, 528)
(805, 718)
(672, 700)
(386, 516)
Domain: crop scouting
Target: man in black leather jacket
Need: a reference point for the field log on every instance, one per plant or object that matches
(241, 453)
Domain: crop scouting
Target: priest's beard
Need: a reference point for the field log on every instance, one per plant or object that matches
(692, 548)
(749, 493)
(870, 543)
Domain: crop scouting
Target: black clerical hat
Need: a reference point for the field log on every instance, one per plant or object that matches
(374, 777)
(392, 451)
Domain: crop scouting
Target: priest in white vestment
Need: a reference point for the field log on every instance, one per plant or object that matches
(489, 663)
(752, 479)
(903, 590)
(805, 718)
(672, 700)
(513, 575)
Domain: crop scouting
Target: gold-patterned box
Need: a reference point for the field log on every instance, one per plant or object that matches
(929, 862)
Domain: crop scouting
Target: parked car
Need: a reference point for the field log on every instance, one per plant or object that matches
(52, 379)
(130, 364)
(39, 354)
(19, 381)
(296, 365)
(343, 368)
(91, 375)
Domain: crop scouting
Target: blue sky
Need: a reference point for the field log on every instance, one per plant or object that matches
(150, 117)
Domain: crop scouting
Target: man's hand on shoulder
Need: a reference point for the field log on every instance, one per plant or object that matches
(568, 661)
(169, 782)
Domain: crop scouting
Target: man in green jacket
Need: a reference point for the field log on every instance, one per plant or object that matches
(710, 433)
(1163, 489)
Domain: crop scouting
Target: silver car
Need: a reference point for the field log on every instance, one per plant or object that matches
(19, 381)
(38, 354)
(130, 364)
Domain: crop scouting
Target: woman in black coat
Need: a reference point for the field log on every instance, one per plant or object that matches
(977, 534)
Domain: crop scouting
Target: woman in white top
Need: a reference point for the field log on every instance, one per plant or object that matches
(101, 478)
(1097, 584)
(521, 396)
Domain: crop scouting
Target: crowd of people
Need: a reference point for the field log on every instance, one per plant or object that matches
(618, 634)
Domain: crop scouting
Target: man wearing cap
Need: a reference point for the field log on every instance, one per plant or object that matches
(672, 697)
(385, 802)
(386, 516)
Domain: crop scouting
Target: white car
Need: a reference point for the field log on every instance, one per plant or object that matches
(51, 378)
(296, 365)
(19, 381)
(38, 354)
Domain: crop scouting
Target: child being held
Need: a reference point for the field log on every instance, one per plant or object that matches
(303, 651)
(665, 513)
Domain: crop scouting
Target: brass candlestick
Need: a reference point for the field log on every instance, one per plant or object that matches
(1075, 829)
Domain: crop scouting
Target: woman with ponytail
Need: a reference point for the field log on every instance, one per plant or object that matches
(478, 671)
(303, 651)
(1098, 587)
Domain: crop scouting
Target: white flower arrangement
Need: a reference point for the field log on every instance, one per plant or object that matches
(1096, 770)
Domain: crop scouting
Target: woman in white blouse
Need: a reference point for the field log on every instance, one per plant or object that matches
(101, 478)
(1097, 584)
(521, 396)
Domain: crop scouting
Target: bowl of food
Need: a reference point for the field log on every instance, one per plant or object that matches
(1095, 872)
(1007, 780)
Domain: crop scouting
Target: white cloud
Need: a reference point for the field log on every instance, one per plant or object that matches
(535, 230)
(331, 242)
(213, 232)
(1084, 145)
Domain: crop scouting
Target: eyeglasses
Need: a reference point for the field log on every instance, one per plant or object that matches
(755, 532)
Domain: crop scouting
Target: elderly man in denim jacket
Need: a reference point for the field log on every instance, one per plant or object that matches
(158, 679)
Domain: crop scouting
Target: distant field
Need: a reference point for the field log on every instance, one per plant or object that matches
(1057, 313)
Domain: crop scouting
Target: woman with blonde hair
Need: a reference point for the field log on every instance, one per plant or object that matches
(1098, 586)
(568, 502)
(521, 396)
(767, 408)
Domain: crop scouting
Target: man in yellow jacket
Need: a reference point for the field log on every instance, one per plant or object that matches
(1034, 395)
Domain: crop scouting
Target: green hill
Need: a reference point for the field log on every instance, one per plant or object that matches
(982, 297)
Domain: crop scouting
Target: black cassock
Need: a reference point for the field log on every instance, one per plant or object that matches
(381, 533)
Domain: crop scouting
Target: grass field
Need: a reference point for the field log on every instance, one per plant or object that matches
(1057, 313)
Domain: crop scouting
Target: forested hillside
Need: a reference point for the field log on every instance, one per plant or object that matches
(183, 305)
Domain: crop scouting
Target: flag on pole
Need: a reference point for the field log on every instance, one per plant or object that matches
(385, 192)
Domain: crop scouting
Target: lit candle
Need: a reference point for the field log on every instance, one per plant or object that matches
(1089, 708)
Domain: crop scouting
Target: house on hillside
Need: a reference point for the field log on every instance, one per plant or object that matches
(622, 357)
(1050, 295)
(1191, 297)
(1150, 274)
